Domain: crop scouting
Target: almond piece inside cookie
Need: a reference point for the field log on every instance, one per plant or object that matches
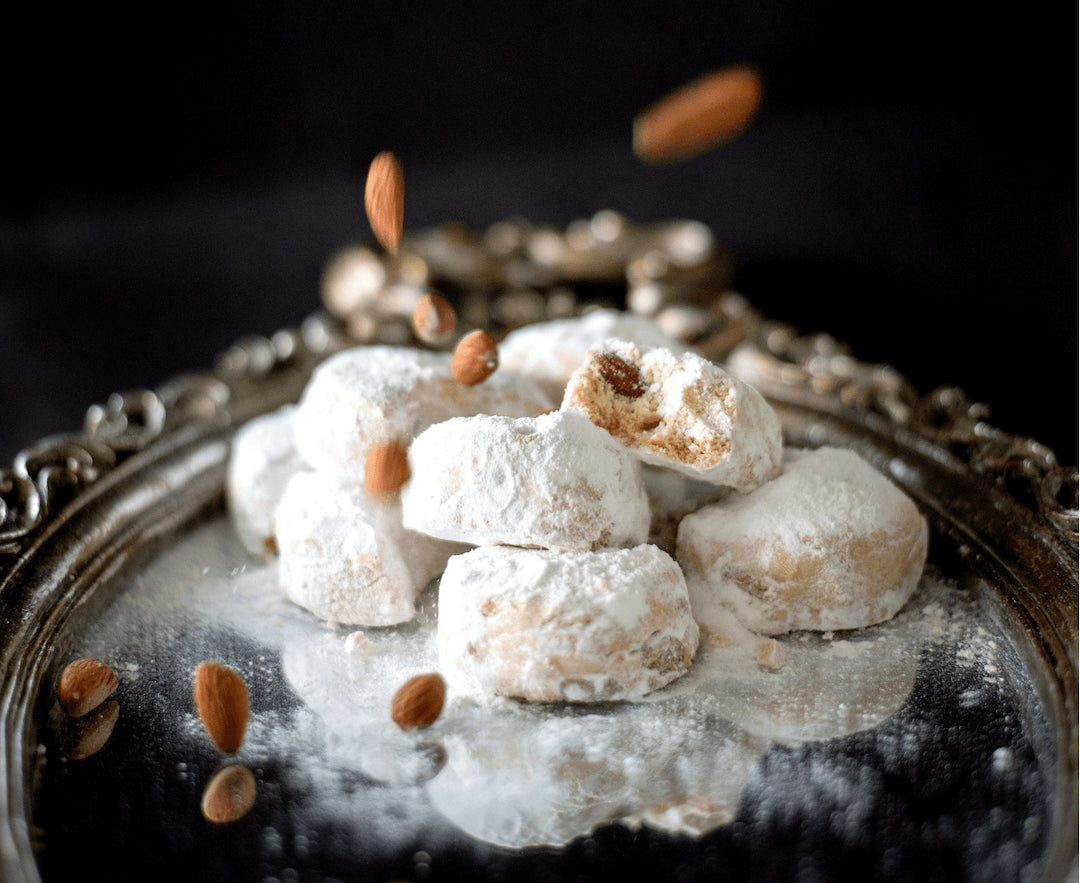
(682, 412)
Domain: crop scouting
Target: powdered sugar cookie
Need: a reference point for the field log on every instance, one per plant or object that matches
(682, 412)
(370, 394)
(549, 352)
(554, 481)
(578, 627)
(262, 460)
(346, 557)
(830, 544)
(672, 496)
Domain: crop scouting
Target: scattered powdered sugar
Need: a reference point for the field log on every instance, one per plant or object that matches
(711, 747)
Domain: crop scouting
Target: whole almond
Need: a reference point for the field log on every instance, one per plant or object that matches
(703, 114)
(419, 701)
(84, 685)
(475, 358)
(221, 698)
(434, 319)
(386, 470)
(228, 795)
(619, 374)
(384, 200)
(81, 737)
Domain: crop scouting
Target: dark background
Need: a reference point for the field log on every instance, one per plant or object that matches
(176, 179)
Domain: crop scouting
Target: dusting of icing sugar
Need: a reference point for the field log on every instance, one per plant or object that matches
(531, 623)
(682, 759)
(691, 416)
(367, 395)
(549, 352)
(554, 481)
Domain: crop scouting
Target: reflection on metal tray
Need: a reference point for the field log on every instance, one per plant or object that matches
(941, 744)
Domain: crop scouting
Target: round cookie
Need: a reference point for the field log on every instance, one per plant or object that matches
(262, 460)
(371, 394)
(554, 481)
(570, 627)
(549, 352)
(681, 412)
(346, 557)
(829, 544)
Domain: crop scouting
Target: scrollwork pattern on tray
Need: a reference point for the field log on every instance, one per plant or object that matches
(674, 272)
(1027, 469)
(43, 478)
(48, 474)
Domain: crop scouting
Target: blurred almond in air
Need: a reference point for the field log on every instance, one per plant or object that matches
(709, 111)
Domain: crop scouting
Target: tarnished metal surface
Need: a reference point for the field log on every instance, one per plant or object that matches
(77, 509)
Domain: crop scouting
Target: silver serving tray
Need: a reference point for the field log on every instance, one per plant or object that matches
(981, 780)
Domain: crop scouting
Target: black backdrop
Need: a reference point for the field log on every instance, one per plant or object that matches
(175, 179)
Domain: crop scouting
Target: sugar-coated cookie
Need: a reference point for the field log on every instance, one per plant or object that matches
(549, 352)
(372, 394)
(578, 627)
(554, 481)
(346, 557)
(262, 460)
(679, 411)
(829, 544)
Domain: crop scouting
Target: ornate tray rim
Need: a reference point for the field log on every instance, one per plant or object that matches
(75, 508)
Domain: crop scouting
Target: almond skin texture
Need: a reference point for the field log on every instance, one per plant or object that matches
(386, 470)
(475, 358)
(620, 375)
(434, 319)
(418, 702)
(84, 685)
(384, 200)
(228, 795)
(221, 698)
(703, 114)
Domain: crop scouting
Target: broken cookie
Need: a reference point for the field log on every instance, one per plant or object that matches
(682, 412)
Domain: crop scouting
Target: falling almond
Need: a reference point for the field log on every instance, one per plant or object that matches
(475, 358)
(703, 114)
(433, 319)
(221, 698)
(384, 200)
(386, 470)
